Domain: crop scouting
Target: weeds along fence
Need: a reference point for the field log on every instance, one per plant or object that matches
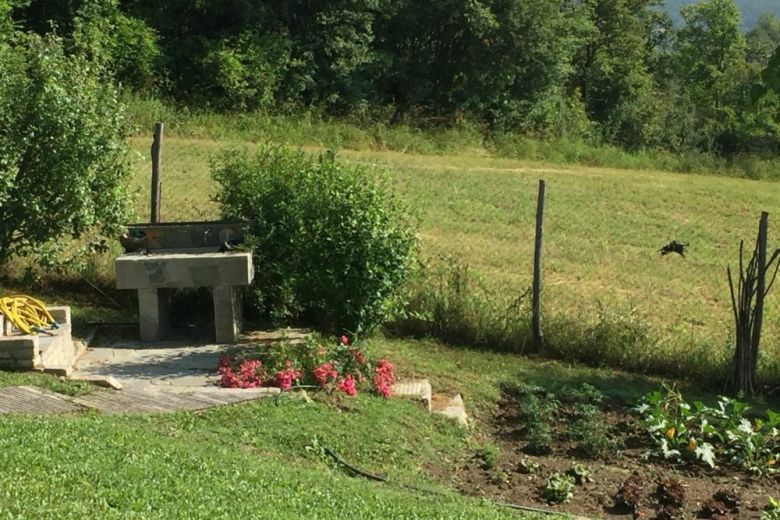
(449, 303)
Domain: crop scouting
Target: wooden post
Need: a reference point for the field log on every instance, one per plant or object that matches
(758, 317)
(156, 165)
(537, 284)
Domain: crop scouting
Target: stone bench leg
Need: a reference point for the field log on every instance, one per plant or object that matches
(153, 305)
(227, 313)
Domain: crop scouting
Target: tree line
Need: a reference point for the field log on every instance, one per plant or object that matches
(606, 71)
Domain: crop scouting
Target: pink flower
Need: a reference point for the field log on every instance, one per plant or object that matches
(324, 373)
(250, 370)
(284, 378)
(383, 378)
(358, 356)
(224, 364)
(229, 379)
(344, 340)
(347, 385)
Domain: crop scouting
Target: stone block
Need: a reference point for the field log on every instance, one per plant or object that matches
(177, 270)
(153, 313)
(452, 407)
(52, 351)
(61, 314)
(98, 380)
(419, 389)
(227, 314)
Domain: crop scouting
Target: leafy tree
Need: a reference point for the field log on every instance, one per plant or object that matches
(333, 39)
(63, 165)
(710, 53)
(763, 39)
(611, 68)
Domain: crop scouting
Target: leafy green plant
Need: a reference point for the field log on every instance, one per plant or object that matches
(540, 439)
(333, 241)
(698, 432)
(772, 510)
(558, 489)
(488, 454)
(63, 158)
(582, 394)
(538, 410)
(592, 436)
(580, 473)
(527, 466)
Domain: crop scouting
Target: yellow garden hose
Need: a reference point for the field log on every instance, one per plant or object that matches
(26, 313)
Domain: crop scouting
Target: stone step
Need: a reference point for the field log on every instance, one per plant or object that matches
(451, 406)
(417, 389)
(420, 389)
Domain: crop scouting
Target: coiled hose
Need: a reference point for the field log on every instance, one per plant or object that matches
(27, 314)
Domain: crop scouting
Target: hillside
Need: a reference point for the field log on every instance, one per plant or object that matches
(750, 9)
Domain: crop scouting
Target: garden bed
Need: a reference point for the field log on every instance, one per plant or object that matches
(613, 447)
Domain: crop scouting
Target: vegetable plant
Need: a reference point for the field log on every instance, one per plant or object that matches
(559, 488)
(727, 432)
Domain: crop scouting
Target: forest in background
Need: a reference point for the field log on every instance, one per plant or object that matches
(616, 72)
(750, 10)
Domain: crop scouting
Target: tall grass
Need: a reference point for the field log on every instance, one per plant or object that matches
(449, 303)
(377, 131)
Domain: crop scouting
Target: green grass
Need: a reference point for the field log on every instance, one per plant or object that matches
(264, 459)
(48, 382)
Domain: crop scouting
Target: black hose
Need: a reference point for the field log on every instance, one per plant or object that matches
(379, 478)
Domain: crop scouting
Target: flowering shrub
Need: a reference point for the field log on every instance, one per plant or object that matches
(337, 365)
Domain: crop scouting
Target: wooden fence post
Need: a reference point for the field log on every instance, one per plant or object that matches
(156, 165)
(536, 319)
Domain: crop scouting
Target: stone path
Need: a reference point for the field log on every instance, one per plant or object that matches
(31, 400)
(172, 376)
(36, 401)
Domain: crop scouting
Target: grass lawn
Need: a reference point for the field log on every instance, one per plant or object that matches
(265, 459)
(261, 460)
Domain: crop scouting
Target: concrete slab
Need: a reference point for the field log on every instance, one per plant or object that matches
(176, 270)
(418, 389)
(137, 366)
(35, 401)
(450, 406)
(182, 363)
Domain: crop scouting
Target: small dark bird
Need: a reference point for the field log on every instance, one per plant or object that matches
(231, 245)
(674, 247)
(132, 243)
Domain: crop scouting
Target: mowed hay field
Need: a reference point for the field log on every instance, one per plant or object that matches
(603, 229)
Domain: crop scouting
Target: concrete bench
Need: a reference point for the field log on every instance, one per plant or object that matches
(179, 261)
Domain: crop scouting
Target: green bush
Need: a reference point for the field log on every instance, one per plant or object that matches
(331, 242)
(63, 166)
(126, 46)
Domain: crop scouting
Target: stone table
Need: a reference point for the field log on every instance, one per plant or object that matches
(155, 275)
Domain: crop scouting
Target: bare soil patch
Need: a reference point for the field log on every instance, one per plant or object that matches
(518, 476)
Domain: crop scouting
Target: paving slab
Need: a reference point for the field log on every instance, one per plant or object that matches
(177, 364)
(35, 401)
(419, 389)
